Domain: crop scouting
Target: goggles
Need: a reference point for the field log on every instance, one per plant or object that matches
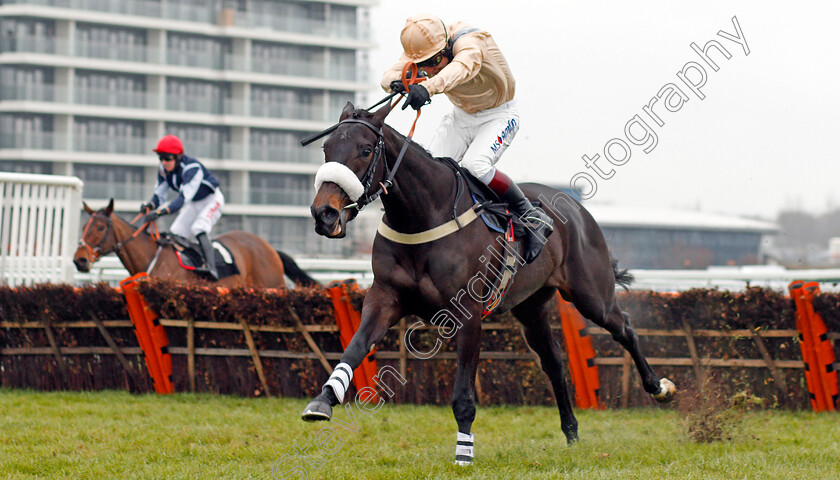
(167, 157)
(432, 62)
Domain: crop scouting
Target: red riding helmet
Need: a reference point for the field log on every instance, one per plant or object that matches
(170, 144)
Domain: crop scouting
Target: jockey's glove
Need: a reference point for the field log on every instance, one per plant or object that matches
(151, 216)
(146, 207)
(417, 97)
(397, 87)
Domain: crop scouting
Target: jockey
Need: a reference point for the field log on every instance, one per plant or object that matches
(466, 64)
(200, 199)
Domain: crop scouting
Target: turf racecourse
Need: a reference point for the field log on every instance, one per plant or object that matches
(101, 435)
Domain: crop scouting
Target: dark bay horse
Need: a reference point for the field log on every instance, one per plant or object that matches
(432, 277)
(259, 264)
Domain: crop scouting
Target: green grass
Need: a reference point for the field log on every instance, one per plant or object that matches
(117, 435)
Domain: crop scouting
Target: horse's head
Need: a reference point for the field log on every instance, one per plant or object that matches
(354, 166)
(97, 237)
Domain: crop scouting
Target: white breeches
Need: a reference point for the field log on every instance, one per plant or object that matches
(477, 140)
(199, 217)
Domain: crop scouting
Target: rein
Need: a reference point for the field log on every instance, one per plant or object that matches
(388, 182)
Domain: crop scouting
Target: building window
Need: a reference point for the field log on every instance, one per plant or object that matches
(123, 44)
(343, 65)
(301, 61)
(279, 102)
(27, 35)
(107, 135)
(197, 96)
(294, 236)
(23, 166)
(110, 181)
(26, 130)
(198, 51)
(343, 21)
(96, 88)
(281, 146)
(18, 82)
(280, 189)
(202, 141)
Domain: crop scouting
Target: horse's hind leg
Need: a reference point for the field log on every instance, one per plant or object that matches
(618, 324)
(534, 315)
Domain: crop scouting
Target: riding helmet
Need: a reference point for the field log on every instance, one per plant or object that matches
(423, 36)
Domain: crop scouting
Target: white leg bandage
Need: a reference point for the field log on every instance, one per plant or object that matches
(342, 176)
(465, 449)
(340, 380)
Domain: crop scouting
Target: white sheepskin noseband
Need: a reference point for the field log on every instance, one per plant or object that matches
(342, 176)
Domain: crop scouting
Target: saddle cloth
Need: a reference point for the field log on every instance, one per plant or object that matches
(190, 257)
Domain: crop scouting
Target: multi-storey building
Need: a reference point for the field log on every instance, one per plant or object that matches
(87, 87)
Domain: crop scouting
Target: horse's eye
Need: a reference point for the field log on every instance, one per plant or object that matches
(366, 152)
(101, 228)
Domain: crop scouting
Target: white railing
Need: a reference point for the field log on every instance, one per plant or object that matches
(39, 228)
(733, 278)
(326, 270)
(108, 269)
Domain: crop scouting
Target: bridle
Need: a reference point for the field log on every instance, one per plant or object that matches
(367, 178)
(98, 250)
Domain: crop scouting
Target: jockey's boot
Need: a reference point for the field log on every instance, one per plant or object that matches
(209, 256)
(537, 223)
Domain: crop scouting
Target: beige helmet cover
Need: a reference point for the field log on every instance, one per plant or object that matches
(423, 36)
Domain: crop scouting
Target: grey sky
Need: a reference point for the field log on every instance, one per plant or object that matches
(764, 138)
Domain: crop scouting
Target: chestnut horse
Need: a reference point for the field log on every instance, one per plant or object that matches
(430, 278)
(259, 264)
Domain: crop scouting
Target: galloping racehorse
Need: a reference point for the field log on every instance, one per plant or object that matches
(258, 263)
(425, 272)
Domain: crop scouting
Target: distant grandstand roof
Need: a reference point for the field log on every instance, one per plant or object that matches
(621, 216)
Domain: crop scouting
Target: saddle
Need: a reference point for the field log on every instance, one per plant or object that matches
(190, 256)
(494, 211)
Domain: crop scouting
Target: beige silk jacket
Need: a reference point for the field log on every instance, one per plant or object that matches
(478, 77)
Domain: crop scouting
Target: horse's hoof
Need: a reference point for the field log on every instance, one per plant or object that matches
(666, 391)
(317, 411)
(463, 463)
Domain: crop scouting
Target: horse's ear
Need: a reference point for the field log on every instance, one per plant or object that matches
(109, 208)
(87, 209)
(347, 112)
(378, 118)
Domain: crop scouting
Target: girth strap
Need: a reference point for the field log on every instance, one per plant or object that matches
(431, 235)
(503, 282)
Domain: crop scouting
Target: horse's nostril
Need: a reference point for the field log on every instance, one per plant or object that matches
(329, 215)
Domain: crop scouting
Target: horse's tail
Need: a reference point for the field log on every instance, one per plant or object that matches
(294, 272)
(623, 277)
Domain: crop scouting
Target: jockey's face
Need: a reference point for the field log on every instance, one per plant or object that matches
(168, 160)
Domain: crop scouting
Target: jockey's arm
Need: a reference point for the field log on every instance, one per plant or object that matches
(161, 191)
(464, 66)
(393, 73)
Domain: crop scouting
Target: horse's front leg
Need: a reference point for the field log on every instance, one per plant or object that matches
(463, 392)
(379, 311)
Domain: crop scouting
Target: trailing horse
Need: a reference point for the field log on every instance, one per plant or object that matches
(259, 265)
(426, 263)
